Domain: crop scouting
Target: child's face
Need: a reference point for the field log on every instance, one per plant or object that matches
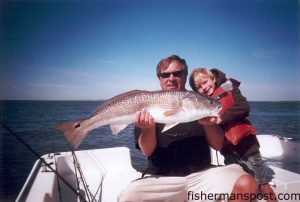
(206, 85)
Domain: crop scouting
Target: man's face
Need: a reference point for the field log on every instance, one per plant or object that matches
(173, 77)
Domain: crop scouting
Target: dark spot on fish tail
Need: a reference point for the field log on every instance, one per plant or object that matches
(77, 125)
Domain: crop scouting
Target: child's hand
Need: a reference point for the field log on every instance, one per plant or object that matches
(208, 121)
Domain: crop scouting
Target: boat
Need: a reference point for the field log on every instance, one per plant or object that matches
(101, 174)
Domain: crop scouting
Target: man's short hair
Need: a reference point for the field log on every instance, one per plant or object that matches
(164, 63)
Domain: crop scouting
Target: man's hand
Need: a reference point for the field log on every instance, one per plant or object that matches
(147, 138)
(143, 119)
(208, 121)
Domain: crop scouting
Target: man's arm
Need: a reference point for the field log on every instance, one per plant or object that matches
(147, 139)
(214, 133)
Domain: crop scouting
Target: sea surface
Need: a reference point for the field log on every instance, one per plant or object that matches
(34, 122)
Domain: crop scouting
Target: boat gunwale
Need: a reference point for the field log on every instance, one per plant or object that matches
(29, 181)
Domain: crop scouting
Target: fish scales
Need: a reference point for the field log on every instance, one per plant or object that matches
(131, 104)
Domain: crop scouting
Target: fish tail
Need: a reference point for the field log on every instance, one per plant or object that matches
(73, 132)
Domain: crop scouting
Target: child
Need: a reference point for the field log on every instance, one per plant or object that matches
(241, 145)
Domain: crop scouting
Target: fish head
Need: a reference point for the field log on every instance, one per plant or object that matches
(200, 106)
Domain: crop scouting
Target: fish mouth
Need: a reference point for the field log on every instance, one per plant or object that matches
(217, 110)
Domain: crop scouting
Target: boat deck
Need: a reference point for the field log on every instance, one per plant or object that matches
(108, 172)
(111, 167)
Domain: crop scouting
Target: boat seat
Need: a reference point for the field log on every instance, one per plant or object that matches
(112, 166)
(116, 168)
(270, 146)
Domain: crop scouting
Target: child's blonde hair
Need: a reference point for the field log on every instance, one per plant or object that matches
(199, 74)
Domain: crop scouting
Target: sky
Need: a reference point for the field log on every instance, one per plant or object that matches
(91, 50)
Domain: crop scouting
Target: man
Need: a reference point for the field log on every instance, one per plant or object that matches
(179, 159)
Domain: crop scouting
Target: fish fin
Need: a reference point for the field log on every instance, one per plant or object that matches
(187, 104)
(73, 132)
(170, 113)
(169, 126)
(117, 128)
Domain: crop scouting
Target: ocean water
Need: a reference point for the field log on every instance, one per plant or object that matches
(34, 122)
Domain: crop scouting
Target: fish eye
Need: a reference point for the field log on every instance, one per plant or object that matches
(77, 125)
